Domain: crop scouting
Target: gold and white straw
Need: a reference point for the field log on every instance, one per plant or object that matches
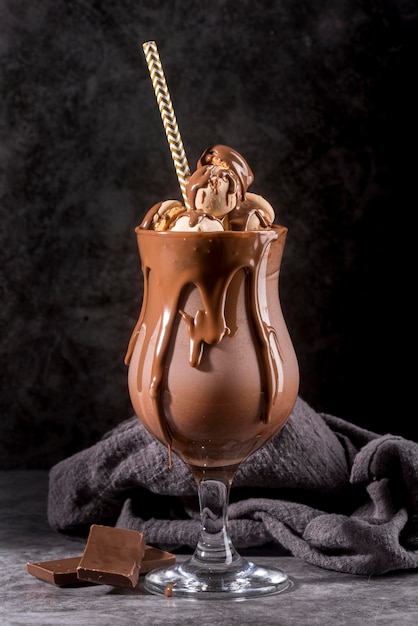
(167, 115)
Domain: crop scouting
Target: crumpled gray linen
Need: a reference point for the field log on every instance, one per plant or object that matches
(323, 489)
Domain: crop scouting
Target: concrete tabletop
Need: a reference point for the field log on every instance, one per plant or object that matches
(317, 596)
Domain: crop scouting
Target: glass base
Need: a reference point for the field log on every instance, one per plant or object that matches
(202, 582)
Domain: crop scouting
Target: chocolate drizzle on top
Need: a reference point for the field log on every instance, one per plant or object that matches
(227, 157)
(147, 222)
(220, 162)
(238, 218)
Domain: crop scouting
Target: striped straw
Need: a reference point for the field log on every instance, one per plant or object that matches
(167, 115)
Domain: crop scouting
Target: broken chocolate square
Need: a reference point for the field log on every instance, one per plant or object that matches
(112, 556)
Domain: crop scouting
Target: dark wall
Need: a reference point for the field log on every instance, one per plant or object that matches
(317, 95)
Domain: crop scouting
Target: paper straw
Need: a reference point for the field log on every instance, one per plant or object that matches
(167, 115)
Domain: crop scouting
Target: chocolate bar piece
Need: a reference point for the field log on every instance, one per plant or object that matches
(63, 572)
(60, 572)
(112, 556)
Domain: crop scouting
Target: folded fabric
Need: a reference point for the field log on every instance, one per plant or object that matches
(323, 489)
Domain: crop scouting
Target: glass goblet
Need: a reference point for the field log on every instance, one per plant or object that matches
(213, 376)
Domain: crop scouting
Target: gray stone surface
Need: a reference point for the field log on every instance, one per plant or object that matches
(319, 97)
(317, 597)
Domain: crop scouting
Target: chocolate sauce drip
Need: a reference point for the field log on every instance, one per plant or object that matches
(148, 220)
(208, 262)
(202, 178)
(219, 155)
(238, 218)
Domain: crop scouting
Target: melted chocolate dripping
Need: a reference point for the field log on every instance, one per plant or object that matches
(216, 155)
(210, 265)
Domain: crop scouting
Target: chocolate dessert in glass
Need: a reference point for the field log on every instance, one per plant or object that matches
(212, 371)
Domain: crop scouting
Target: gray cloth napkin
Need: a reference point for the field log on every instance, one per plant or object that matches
(323, 489)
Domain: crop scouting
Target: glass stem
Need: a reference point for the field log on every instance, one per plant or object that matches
(214, 545)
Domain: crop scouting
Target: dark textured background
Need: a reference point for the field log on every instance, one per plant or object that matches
(317, 95)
